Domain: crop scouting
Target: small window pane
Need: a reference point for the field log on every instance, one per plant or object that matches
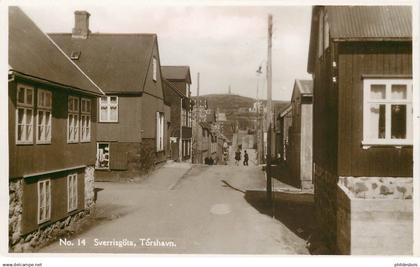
(377, 91)
(398, 121)
(113, 100)
(399, 91)
(21, 95)
(29, 96)
(113, 114)
(377, 121)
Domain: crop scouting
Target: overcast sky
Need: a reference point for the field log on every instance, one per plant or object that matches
(225, 44)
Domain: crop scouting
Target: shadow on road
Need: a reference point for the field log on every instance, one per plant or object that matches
(295, 211)
(226, 184)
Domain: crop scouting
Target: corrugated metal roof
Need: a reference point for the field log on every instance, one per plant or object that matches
(116, 62)
(32, 53)
(305, 86)
(180, 73)
(369, 21)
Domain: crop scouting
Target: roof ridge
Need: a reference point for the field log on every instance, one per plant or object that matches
(105, 33)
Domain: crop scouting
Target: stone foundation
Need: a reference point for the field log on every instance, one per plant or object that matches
(378, 187)
(377, 225)
(42, 236)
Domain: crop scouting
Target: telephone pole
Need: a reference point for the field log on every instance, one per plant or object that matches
(269, 111)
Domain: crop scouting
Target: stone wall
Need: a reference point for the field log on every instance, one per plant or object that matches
(44, 235)
(325, 196)
(379, 187)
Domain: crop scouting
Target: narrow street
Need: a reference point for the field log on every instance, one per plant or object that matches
(202, 209)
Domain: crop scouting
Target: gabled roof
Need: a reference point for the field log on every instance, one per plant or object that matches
(167, 85)
(176, 73)
(361, 23)
(33, 54)
(116, 62)
(305, 87)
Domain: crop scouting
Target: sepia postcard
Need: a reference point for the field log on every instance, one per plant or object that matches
(213, 128)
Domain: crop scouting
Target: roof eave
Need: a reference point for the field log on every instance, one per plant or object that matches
(372, 39)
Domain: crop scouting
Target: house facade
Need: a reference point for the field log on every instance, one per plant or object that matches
(202, 134)
(362, 137)
(132, 124)
(52, 137)
(177, 81)
(284, 120)
(299, 161)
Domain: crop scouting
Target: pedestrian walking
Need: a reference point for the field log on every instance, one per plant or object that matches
(246, 158)
(237, 157)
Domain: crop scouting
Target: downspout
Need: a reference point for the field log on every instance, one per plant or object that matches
(180, 135)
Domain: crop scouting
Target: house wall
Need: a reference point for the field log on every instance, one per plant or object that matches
(355, 60)
(58, 198)
(129, 125)
(294, 160)
(306, 145)
(35, 158)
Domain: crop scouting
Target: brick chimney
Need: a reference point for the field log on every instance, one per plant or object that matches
(81, 24)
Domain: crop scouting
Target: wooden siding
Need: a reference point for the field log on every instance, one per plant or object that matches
(150, 106)
(58, 199)
(129, 125)
(151, 87)
(35, 158)
(355, 60)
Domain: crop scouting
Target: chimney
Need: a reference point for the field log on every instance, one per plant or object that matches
(81, 24)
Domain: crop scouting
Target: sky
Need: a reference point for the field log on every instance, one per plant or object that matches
(225, 44)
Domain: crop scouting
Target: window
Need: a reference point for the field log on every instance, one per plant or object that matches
(387, 112)
(44, 117)
(108, 106)
(154, 69)
(102, 156)
(24, 114)
(85, 120)
(184, 117)
(71, 192)
(326, 32)
(73, 120)
(44, 201)
(159, 130)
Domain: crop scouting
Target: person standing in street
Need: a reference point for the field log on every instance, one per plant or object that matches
(237, 157)
(246, 158)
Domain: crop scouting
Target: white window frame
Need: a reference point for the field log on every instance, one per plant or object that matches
(46, 123)
(368, 142)
(25, 106)
(160, 122)
(73, 124)
(85, 120)
(97, 156)
(184, 117)
(108, 106)
(44, 189)
(72, 192)
(154, 66)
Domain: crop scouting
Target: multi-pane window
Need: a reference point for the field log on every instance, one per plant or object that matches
(154, 69)
(85, 120)
(159, 130)
(73, 120)
(71, 192)
(184, 117)
(24, 114)
(44, 200)
(102, 156)
(387, 112)
(44, 116)
(108, 106)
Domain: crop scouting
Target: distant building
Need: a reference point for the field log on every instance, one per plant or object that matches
(132, 124)
(360, 58)
(178, 95)
(52, 137)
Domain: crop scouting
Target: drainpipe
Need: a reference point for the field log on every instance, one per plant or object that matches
(180, 135)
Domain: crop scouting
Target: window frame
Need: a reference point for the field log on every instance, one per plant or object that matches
(87, 114)
(74, 113)
(108, 108)
(72, 193)
(160, 131)
(388, 102)
(25, 107)
(47, 216)
(43, 109)
(154, 69)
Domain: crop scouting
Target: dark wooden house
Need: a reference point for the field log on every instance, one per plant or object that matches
(132, 124)
(177, 81)
(299, 161)
(284, 121)
(52, 135)
(361, 62)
